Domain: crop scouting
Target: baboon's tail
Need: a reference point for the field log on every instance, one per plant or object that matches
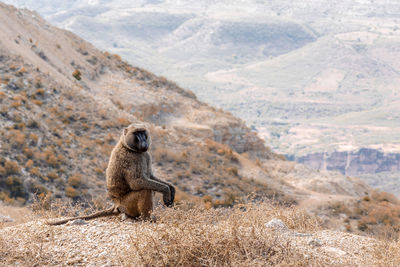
(103, 213)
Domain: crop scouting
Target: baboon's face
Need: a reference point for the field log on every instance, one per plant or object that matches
(137, 139)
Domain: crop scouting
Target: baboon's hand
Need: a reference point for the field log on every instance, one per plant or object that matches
(172, 189)
(167, 198)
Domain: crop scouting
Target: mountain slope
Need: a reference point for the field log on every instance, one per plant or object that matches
(64, 104)
(311, 77)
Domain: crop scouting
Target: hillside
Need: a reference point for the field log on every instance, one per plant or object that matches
(311, 77)
(64, 104)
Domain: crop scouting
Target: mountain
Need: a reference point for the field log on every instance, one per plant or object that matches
(311, 77)
(64, 104)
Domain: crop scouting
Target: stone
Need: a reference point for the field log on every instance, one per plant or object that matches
(276, 224)
(5, 218)
(315, 242)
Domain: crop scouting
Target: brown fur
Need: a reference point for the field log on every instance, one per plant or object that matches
(130, 181)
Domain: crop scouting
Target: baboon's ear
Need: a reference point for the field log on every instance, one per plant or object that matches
(125, 131)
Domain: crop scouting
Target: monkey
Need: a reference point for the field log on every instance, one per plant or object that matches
(130, 180)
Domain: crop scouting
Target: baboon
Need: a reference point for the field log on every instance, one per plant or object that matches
(130, 180)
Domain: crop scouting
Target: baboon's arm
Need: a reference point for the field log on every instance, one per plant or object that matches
(171, 187)
(143, 184)
(150, 171)
(154, 178)
(148, 184)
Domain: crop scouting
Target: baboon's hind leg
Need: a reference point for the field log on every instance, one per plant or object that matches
(145, 204)
(137, 204)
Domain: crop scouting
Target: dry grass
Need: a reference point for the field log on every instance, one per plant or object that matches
(376, 214)
(187, 235)
(194, 236)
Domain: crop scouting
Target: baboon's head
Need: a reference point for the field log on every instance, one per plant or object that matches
(136, 137)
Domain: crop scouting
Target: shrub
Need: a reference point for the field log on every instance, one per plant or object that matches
(71, 192)
(40, 92)
(29, 163)
(77, 75)
(21, 71)
(123, 121)
(37, 102)
(39, 189)
(28, 152)
(16, 104)
(2, 170)
(75, 180)
(52, 161)
(35, 171)
(34, 138)
(117, 57)
(168, 155)
(98, 171)
(52, 175)
(12, 167)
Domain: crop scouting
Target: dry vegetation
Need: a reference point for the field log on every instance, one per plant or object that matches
(191, 235)
(376, 214)
(51, 133)
(56, 140)
(219, 237)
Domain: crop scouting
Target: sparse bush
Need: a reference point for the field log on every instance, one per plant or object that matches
(17, 138)
(12, 167)
(123, 122)
(75, 180)
(219, 237)
(37, 102)
(34, 138)
(77, 75)
(117, 57)
(29, 164)
(39, 189)
(52, 175)
(35, 171)
(167, 155)
(2, 170)
(39, 92)
(21, 71)
(16, 104)
(71, 192)
(28, 152)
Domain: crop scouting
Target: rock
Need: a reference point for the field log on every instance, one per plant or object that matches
(301, 234)
(315, 242)
(103, 254)
(5, 218)
(276, 224)
(123, 217)
(335, 251)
